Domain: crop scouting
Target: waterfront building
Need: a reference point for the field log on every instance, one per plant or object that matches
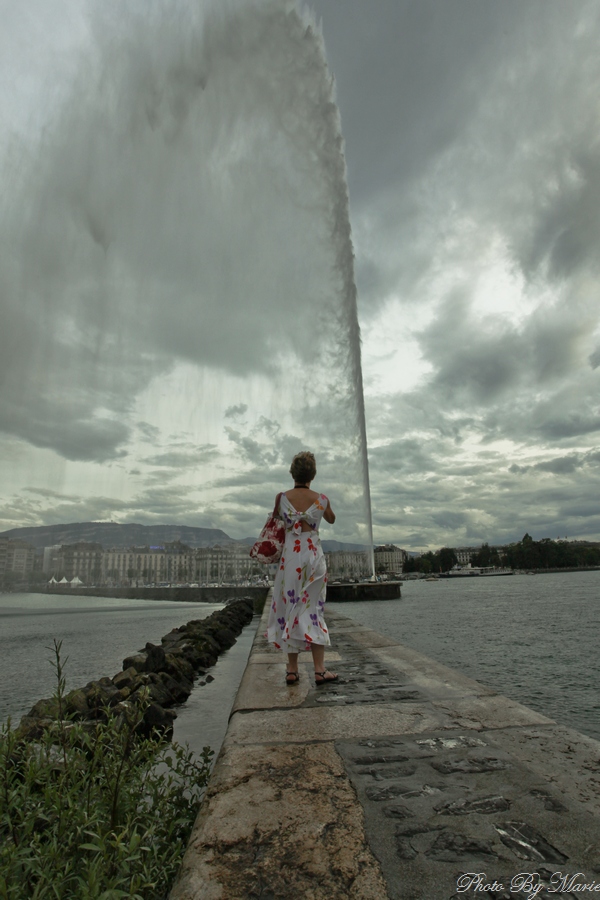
(180, 562)
(83, 559)
(148, 565)
(3, 552)
(228, 562)
(347, 564)
(176, 562)
(20, 558)
(389, 559)
(464, 555)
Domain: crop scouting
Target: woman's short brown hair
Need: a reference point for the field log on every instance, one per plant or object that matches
(303, 468)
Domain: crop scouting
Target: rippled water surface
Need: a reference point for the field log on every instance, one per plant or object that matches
(97, 634)
(531, 637)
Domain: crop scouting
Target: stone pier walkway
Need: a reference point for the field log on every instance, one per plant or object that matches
(392, 783)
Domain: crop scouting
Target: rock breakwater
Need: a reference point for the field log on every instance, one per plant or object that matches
(158, 677)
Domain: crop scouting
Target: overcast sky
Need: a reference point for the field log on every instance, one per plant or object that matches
(174, 324)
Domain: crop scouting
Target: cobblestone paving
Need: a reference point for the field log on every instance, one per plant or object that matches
(363, 679)
(465, 793)
(442, 804)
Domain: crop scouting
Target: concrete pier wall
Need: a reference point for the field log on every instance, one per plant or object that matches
(366, 590)
(174, 594)
(393, 782)
(387, 590)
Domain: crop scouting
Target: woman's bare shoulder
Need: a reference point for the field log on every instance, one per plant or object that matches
(302, 499)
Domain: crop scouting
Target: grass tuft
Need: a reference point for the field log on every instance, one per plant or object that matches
(94, 811)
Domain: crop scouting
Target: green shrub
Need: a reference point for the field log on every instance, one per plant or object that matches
(94, 811)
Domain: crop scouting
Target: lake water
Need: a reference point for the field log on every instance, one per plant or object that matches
(533, 638)
(97, 634)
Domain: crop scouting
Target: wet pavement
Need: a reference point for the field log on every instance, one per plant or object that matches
(403, 780)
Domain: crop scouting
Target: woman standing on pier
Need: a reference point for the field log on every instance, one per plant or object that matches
(296, 616)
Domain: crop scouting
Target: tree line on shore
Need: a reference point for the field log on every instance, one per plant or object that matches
(525, 554)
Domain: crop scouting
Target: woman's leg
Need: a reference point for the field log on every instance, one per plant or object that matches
(318, 655)
(292, 662)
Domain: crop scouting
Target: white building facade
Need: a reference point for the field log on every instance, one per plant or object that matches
(347, 564)
(20, 557)
(389, 559)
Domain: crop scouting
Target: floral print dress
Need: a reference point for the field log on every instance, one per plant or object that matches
(296, 615)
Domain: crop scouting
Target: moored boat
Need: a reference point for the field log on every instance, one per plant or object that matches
(470, 571)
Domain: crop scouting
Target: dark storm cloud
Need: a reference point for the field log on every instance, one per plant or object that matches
(417, 416)
(70, 395)
(467, 123)
(401, 457)
(571, 424)
(183, 458)
(66, 428)
(561, 465)
(546, 421)
(252, 450)
(474, 172)
(166, 504)
(33, 504)
(408, 77)
(451, 519)
(252, 479)
(434, 512)
(456, 494)
(478, 366)
(594, 359)
(480, 358)
(265, 447)
(233, 411)
(567, 230)
(149, 432)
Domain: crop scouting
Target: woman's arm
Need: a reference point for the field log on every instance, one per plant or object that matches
(329, 514)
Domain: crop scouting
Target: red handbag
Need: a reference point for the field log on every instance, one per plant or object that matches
(269, 547)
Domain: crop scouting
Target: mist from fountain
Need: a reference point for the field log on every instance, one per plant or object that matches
(179, 263)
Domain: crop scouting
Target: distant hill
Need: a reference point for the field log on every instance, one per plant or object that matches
(328, 546)
(111, 534)
(332, 546)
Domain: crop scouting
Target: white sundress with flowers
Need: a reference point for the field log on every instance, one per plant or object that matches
(296, 615)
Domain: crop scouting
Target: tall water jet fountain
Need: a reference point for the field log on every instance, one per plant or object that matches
(332, 159)
(178, 255)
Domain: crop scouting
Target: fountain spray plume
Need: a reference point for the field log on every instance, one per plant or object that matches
(180, 229)
(333, 163)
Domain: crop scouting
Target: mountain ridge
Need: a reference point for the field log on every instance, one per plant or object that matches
(133, 534)
(115, 534)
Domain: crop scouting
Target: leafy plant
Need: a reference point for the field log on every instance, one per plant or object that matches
(94, 810)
